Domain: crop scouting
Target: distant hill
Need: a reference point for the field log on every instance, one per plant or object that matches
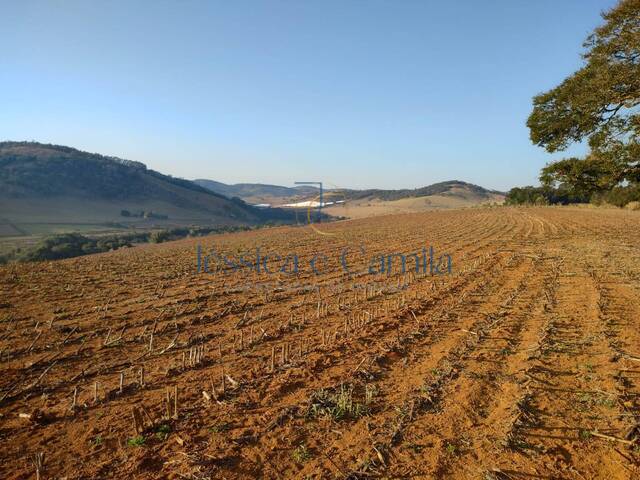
(256, 192)
(276, 194)
(454, 188)
(52, 184)
(443, 195)
(56, 189)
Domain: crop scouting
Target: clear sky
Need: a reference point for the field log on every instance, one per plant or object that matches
(353, 93)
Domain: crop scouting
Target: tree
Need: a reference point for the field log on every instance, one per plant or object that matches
(526, 196)
(580, 178)
(598, 103)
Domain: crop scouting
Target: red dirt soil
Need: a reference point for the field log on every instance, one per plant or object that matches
(523, 363)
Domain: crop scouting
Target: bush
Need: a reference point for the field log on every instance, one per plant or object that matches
(543, 196)
(58, 247)
(71, 245)
(526, 196)
(74, 245)
(159, 236)
(620, 196)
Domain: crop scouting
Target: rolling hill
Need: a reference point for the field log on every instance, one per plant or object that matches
(453, 188)
(44, 186)
(352, 203)
(257, 192)
(438, 196)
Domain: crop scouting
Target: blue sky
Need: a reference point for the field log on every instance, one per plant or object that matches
(354, 93)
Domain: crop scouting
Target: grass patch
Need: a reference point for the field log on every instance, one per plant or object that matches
(301, 454)
(340, 404)
(136, 441)
(163, 432)
(451, 449)
(584, 434)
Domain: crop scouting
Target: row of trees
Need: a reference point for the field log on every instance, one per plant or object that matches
(598, 104)
(69, 245)
(543, 196)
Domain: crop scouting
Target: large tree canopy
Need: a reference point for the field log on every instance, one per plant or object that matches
(580, 177)
(598, 103)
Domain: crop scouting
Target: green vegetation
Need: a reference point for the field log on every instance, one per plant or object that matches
(451, 449)
(55, 170)
(301, 454)
(618, 196)
(136, 441)
(163, 432)
(243, 190)
(339, 405)
(545, 195)
(441, 188)
(597, 104)
(82, 182)
(70, 245)
(542, 196)
(584, 434)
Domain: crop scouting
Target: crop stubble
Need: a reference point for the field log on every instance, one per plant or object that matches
(524, 363)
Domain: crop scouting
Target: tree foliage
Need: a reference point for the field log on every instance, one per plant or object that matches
(599, 104)
(543, 196)
(526, 196)
(69, 245)
(581, 178)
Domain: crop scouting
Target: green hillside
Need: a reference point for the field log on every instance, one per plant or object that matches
(46, 185)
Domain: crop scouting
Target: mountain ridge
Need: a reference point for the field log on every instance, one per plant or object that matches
(252, 190)
(258, 191)
(65, 184)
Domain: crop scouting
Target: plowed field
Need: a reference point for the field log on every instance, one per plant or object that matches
(522, 363)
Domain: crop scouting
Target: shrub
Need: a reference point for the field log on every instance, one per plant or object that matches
(339, 404)
(159, 236)
(59, 246)
(70, 245)
(621, 196)
(543, 196)
(301, 454)
(136, 441)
